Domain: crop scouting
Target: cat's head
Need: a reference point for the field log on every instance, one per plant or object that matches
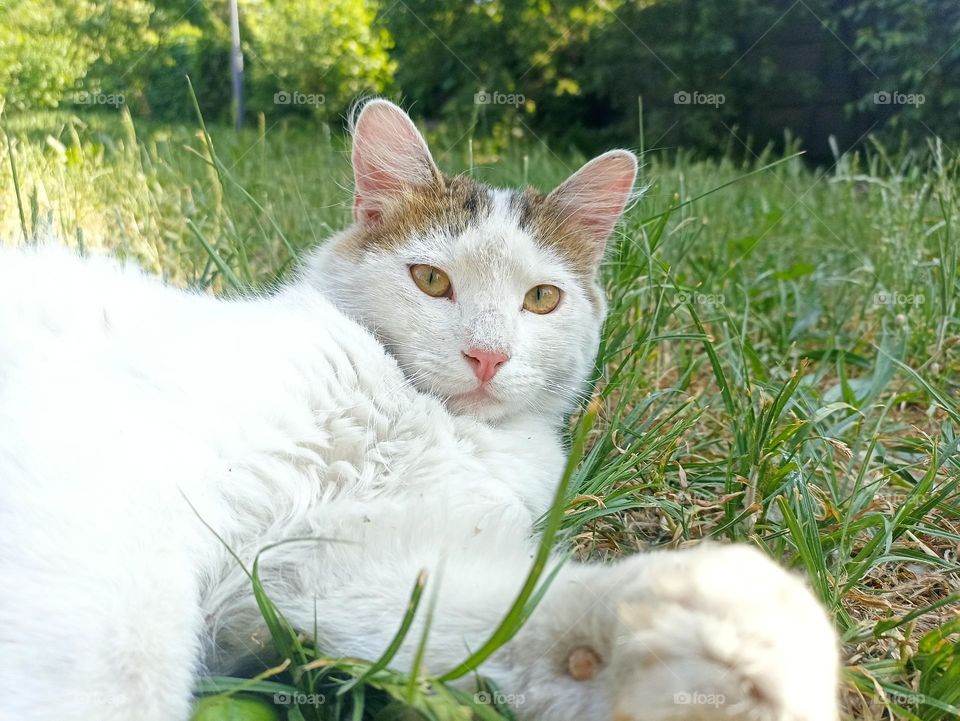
(487, 298)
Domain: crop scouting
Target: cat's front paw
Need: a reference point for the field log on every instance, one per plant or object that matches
(721, 632)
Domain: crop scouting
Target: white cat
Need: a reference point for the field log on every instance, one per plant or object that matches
(430, 440)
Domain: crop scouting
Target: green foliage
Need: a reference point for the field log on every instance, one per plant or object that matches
(573, 71)
(138, 53)
(327, 53)
(522, 56)
(41, 55)
(582, 66)
(234, 708)
(657, 50)
(909, 48)
(147, 51)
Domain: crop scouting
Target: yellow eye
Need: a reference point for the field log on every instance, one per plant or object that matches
(542, 299)
(432, 281)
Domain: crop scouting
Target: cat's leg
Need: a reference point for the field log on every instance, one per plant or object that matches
(709, 633)
(715, 632)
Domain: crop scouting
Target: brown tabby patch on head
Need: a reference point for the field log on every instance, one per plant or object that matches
(545, 220)
(461, 201)
(542, 217)
(452, 205)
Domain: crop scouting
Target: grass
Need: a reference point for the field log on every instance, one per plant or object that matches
(781, 367)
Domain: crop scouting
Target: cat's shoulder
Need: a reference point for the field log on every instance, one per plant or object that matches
(50, 256)
(52, 268)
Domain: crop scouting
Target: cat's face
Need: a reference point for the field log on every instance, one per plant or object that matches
(487, 298)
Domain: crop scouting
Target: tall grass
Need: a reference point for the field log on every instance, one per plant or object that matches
(780, 367)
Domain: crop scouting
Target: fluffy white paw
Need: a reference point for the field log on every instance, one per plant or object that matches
(720, 632)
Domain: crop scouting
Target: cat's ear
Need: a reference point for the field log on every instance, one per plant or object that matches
(591, 201)
(390, 157)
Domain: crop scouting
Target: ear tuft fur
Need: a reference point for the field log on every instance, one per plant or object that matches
(584, 210)
(593, 198)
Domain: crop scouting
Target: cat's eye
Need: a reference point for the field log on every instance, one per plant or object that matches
(542, 299)
(432, 281)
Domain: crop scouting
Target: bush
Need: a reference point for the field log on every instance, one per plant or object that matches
(912, 49)
(314, 58)
(141, 50)
(568, 70)
(147, 50)
(41, 56)
(769, 65)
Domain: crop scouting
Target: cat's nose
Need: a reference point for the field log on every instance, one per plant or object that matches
(485, 363)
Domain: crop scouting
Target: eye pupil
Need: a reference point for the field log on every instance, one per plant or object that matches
(542, 299)
(430, 280)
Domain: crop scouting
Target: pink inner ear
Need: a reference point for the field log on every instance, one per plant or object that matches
(389, 156)
(364, 213)
(594, 197)
(373, 185)
(373, 178)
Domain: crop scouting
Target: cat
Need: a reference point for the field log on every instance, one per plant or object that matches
(403, 397)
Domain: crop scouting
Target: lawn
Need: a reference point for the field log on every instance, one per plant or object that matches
(780, 366)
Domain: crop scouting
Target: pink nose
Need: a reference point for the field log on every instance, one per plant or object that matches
(485, 363)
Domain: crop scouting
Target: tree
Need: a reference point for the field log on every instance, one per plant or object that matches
(41, 55)
(316, 57)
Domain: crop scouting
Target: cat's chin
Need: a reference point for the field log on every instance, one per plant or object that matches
(479, 403)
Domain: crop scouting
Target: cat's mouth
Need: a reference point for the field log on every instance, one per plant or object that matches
(480, 393)
(479, 396)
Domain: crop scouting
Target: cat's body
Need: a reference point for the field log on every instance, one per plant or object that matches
(129, 411)
(327, 439)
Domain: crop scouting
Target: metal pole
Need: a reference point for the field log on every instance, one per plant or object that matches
(236, 64)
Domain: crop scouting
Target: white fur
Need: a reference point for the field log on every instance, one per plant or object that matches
(130, 410)
(279, 417)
